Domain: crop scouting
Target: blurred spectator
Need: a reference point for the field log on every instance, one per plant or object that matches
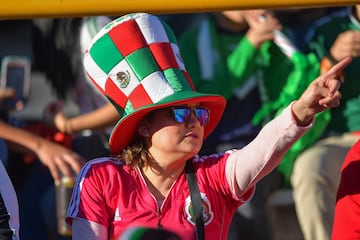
(91, 126)
(316, 173)
(60, 58)
(347, 216)
(299, 21)
(36, 155)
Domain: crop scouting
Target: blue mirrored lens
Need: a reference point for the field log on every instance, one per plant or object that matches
(202, 114)
(181, 115)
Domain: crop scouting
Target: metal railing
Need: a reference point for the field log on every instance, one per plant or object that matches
(24, 9)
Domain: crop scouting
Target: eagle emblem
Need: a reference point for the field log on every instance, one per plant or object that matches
(123, 78)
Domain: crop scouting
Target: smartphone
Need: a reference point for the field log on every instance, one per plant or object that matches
(15, 73)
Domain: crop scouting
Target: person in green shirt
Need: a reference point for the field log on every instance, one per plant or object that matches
(232, 53)
(316, 173)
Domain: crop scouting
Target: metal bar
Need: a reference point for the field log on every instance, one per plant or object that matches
(24, 9)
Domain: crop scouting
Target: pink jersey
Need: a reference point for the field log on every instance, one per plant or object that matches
(110, 196)
(115, 196)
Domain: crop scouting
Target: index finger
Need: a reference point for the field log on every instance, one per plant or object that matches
(337, 68)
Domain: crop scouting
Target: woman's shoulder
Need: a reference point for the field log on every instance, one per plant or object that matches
(106, 166)
(104, 161)
(209, 160)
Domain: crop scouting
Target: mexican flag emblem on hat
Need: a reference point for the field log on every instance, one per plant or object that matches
(136, 63)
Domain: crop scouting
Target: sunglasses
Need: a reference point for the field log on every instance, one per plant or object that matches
(182, 114)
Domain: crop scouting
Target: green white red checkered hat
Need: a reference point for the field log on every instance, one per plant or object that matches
(136, 63)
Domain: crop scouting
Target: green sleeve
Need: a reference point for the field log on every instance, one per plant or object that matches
(230, 69)
(242, 62)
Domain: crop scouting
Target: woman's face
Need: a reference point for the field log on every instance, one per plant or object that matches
(167, 135)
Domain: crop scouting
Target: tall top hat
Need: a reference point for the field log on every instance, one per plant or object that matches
(136, 63)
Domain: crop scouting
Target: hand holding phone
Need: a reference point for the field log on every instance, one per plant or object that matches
(15, 74)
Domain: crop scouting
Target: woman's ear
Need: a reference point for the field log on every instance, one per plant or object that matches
(144, 130)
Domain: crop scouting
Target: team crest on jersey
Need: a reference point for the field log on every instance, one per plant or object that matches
(206, 207)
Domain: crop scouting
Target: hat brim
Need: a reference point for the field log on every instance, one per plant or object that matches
(125, 129)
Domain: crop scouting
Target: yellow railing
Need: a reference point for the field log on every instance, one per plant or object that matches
(22, 9)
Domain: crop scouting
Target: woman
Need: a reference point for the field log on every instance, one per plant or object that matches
(156, 178)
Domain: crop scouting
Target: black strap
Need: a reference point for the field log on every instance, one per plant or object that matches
(195, 200)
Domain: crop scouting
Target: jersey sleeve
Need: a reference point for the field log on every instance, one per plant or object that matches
(90, 199)
(247, 166)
